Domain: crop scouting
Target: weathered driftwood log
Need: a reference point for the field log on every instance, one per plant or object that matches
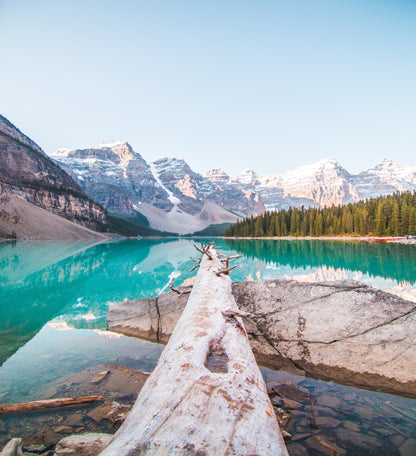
(46, 404)
(206, 395)
(345, 332)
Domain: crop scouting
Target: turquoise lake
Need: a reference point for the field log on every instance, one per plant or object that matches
(54, 297)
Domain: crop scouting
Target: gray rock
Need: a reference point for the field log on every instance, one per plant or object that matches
(13, 448)
(329, 401)
(46, 436)
(345, 332)
(290, 404)
(324, 446)
(408, 447)
(293, 392)
(112, 412)
(351, 425)
(82, 445)
(327, 422)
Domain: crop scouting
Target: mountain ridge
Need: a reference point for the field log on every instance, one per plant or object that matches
(28, 174)
(167, 191)
(175, 198)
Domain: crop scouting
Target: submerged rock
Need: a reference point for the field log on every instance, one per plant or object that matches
(111, 412)
(293, 392)
(341, 331)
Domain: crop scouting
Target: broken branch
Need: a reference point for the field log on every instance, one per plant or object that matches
(233, 257)
(197, 260)
(50, 403)
(204, 250)
(180, 293)
(224, 271)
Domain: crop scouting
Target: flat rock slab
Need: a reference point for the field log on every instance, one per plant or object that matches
(341, 331)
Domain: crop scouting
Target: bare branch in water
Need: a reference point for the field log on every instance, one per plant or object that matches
(180, 293)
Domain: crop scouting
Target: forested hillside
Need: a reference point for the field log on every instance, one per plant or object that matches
(393, 215)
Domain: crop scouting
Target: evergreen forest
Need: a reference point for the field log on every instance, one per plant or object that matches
(393, 215)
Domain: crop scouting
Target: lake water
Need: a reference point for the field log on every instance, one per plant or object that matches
(54, 297)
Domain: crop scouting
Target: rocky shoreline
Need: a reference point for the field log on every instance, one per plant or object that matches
(315, 418)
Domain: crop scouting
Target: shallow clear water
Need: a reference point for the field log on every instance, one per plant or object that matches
(54, 297)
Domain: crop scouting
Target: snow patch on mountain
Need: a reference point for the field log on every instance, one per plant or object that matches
(175, 201)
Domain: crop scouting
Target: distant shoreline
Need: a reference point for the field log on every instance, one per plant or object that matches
(327, 238)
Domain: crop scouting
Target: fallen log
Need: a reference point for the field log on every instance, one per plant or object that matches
(206, 396)
(345, 332)
(46, 404)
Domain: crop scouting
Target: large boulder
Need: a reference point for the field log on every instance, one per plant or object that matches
(344, 331)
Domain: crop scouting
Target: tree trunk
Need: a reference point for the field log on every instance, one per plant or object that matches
(206, 395)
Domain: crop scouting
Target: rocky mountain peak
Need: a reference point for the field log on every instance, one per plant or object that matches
(401, 177)
(329, 163)
(7, 128)
(247, 177)
(116, 152)
(217, 175)
(176, 167)
(26, 172)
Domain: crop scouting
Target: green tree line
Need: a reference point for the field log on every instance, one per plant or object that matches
(393, 215)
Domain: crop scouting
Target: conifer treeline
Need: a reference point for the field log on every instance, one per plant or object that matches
(393, 215)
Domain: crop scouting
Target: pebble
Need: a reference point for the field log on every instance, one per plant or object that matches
(329, 401)
(364, 413)
(277, 401)
(297, 450)
(408, 447)
(290, 404)
(324, 446)
(63, 429)
(352, 426)
(327, 422)
(97, 378)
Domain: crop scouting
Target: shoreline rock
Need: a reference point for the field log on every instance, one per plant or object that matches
(341, 331)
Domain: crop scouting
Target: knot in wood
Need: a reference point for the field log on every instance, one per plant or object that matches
(217, 358)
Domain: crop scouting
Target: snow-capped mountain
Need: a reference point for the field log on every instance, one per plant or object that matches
(321, 184)
(325, 183)
(175, 198)
(168, 192)
(385, 178)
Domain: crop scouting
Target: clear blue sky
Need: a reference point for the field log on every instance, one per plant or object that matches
(269, 85)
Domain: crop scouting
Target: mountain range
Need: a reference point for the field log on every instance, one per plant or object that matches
(111, 187)
(175, 198)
